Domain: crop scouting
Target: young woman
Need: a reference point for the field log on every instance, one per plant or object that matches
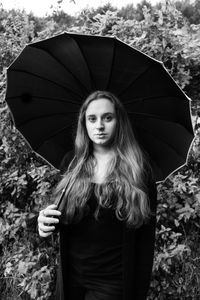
(107, 226)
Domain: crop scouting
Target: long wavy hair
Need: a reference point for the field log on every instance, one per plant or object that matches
(124, 189)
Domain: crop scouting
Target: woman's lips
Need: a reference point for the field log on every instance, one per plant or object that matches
(101, 135)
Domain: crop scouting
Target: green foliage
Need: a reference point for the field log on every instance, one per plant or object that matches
(28, 263)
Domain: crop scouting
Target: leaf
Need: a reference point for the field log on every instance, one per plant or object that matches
(22, 267)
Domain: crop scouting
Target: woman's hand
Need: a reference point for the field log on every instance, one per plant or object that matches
(47, 220)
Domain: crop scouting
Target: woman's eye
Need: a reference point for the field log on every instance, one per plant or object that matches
(108, 118)
(92, 119)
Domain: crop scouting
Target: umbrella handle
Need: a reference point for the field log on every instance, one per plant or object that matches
(60, 204)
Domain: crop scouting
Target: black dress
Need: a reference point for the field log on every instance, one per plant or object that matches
(113, 258)
(94, 249)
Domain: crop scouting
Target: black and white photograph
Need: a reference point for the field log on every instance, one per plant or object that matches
(100, 150)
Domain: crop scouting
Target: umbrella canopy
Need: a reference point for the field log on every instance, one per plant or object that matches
(49, 80)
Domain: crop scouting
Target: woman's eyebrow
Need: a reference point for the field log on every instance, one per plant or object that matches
(104, 114)
(91, 115)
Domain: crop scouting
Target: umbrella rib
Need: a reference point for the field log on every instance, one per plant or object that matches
(135, 100)
(43, 117)
(151, 116)
(162, 118)
(60, 62)
(57, 132)
(111, 68)
(164, 142)
(43, 78)
(120, 94)
(48, 99)
(89, 70)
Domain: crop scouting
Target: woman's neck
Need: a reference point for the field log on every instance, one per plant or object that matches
(100, 152)
(103, 158)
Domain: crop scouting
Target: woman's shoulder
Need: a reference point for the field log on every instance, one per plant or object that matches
(66, 161)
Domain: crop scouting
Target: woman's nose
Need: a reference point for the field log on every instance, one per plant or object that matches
(100, 124)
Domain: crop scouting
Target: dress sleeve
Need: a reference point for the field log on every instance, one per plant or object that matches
(145, 240)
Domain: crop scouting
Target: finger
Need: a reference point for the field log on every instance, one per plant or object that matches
(50, 212)
(47, 220)
(52, 206)
(51, 221)
(46, 228)
(44, 234)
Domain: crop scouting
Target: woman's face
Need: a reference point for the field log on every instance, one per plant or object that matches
(100, 118)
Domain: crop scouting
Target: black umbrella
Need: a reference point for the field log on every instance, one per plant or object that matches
(48, 81)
